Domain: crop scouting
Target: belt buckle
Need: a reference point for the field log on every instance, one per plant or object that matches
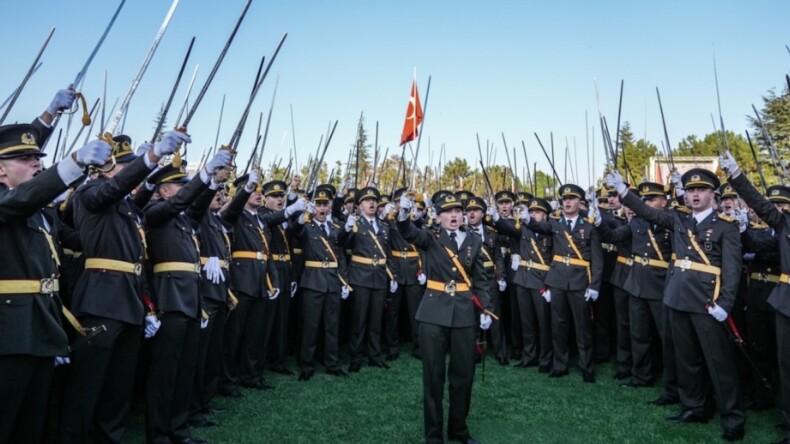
(529, 263)
(450, 288)
(325, 263)
(259, 255)
(566, 260)
(763, 277)
(137, 269)
(685, 264)
(282, 258)
(375, 261)
(47, 286)
(197, 268)
(630, 261)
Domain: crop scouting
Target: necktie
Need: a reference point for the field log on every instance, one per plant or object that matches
(693, 223)
(454, 237)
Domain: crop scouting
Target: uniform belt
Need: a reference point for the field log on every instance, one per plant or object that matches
(764, 277)
(644, 261)
(96, 263)
(406, 254)
(297, 251)
(784, 278)
(257, 255)
(609, 247)
(166, 267)
(29, 286)
(532, 264)
(320, 264)
(625, 260)
(685, 264)
(281, 257)
(449, 287)
(368, 261)
(72, 253)
(570, 261)
(222, 262)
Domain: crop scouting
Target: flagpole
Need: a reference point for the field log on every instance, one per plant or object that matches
(419, 136)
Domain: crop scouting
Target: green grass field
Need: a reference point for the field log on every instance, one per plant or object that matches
(511, 406)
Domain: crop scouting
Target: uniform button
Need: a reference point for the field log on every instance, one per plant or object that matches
(689, 247)
(8, 301)
(455, 269)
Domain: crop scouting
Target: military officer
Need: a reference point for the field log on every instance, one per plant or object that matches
(172, 223)
(109, 292)
(700, 292)
(34, 341)
(447, 315)
(533, 256)
(371, 277)
(574, 279)
(323, 283)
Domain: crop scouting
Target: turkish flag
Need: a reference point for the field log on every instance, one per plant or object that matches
(413, 116)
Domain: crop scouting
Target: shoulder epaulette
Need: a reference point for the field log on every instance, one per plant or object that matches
(758, 225)
(683, 209)
(554, 216)
(335, 225)
(725, 218)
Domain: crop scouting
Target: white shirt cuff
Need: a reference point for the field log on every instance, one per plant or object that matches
(69, 171)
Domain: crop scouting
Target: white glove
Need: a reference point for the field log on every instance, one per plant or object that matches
(554, 205)
(485, 321)
(547, 295)
(525, 217)
(222, 159)
(143, 149)
(405, 202)
(675, 179)
(62, 101)
(294, 286)
(214, 270)
(170, 142)
(492, 213)
(591, 295)
(728, 164)
(152, 324)
(743, 221)
(748, 257)
(422, 278)
(203, 323)
(252, 182)
(350, 222)
(96, 152)
(598, 218)
(273, 294)
(502, 284)
(515, 261)
(310, 208)
(344, 292)
(718, 313)
(296, 207)
(393, 286)
(62, 360)
(615, 180)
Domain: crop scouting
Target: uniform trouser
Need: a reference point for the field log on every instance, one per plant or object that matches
(318, 306)
(762, 345)
(413, 299)
(669, 355)
(209, 360)
(23, 397)
(435, 343)
(99, 389)
(412, 294)
(569, 306)
(783, 349)
(644, 314)
(240, 349)
(260, 351)
(278, 345)
(173, 361)
(699, 340)
(603, 323)
(511, 305)
(497, 330)
(367, 306)
(623, 352)
(535, 314)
